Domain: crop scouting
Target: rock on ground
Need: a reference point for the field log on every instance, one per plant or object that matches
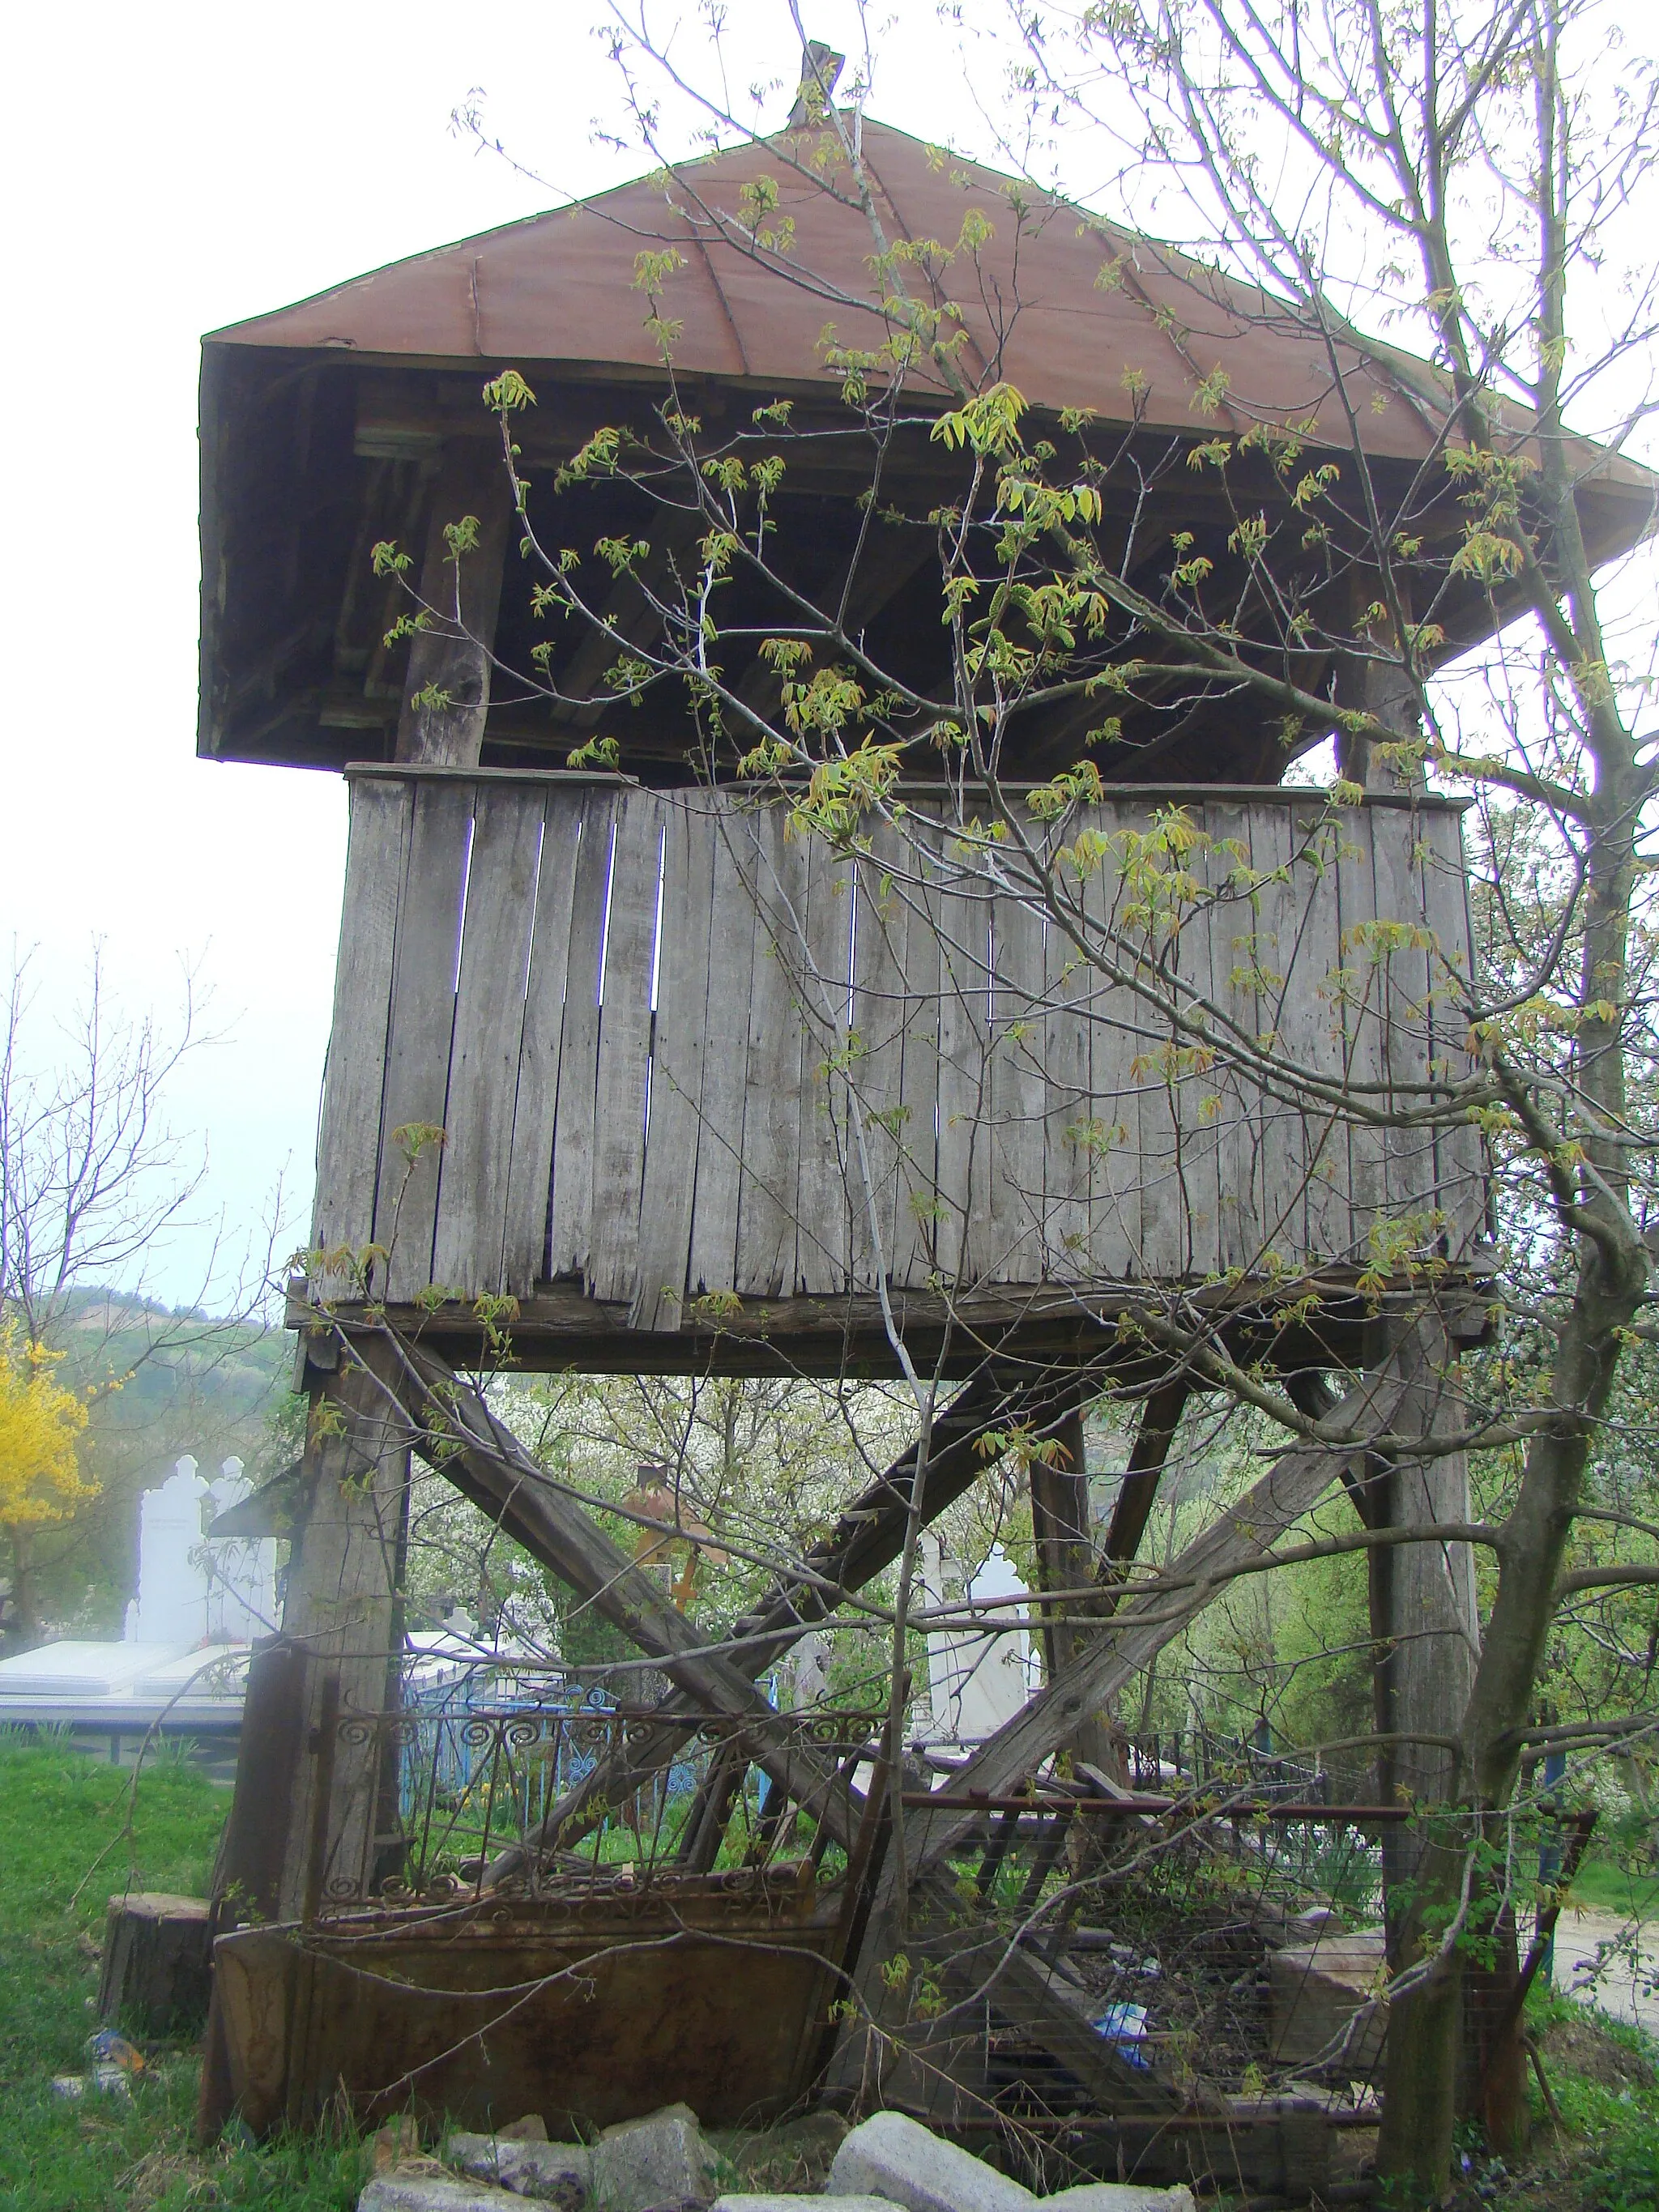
(432, 2193)
(897, 2158)
(660, 2160)
(559, 2173)
(1121, 2196)
(784, 2200)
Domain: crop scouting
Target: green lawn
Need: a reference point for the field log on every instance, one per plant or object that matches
(58, 1811)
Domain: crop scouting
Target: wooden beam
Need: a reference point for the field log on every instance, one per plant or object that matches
(1159, 1610)
(1066, 1561)
(1160, 1417)
(454, 1430)
(867, 1538)
(452, 658)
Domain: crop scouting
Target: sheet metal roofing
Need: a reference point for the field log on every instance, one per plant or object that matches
(560, 288)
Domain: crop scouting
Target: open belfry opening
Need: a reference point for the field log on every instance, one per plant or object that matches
(790, 931)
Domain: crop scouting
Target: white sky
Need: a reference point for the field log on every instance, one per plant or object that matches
(168, 170)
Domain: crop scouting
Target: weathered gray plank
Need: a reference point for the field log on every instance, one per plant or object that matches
(915, 1215)
(771, 1117)
(1460, 1166)
(1316, 1010)
(625, 1047)
(962, 922)
(1232, 986)
(1197, 1101)
(468, 1256)
(349, 1132)
(535, 1097)
(876, 1065)
(1114, 1041)
(1013, 1249)
(671, 1152)
(1150, 930)
(823, 1220)
(1279, 896)
(726, 1054)
(1406, 1044)
(422, 1026)
(570, 1233)
(1068, 980)
(1361, 887)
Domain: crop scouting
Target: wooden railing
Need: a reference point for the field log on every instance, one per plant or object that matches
(659, 1042)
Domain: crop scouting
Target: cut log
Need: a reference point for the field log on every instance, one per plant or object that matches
(158, 1956)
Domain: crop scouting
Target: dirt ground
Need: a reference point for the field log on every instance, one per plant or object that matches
(1628, 1985)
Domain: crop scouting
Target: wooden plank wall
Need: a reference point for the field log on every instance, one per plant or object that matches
(680, 1053)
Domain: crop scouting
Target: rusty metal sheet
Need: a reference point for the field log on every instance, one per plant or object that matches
(589, 2010)
(560, 288)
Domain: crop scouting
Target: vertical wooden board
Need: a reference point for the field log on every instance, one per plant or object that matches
(625, 1047)
(670, 1151)
(1014, 1254)
(570, 1232)
(423, 1028)
(771, 1114)
(1067, 983)
(1279, 905)
(916, 1219)
(1314, 1015)
(726, 1051)
(1232, 964)
(1161, 1250)
(530, 1172)
(964, 957)
(489, 1002)
(1461, 1169)
(876, 1065)
(1361, 878)
(354, 1081)
(1115, 1039)
(1196, 1099)
(1408, 1045)
(823, 1206)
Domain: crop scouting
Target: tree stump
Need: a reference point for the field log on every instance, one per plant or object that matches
(158, 1960)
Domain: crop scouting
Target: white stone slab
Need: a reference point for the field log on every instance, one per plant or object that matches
(897, 2158)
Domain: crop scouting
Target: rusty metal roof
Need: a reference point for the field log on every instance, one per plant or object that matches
(560, 288)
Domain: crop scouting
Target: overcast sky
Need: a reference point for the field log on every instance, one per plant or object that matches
(169, 170)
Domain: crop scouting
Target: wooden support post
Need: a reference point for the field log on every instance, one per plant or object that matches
(342, 1609)
(452, 656)
(1160, 1417)
(1066, 1561)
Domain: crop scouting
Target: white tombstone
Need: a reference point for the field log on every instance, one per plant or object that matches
(172, 1605)
(807, 1671)
(978, 1678)
(242, 1573)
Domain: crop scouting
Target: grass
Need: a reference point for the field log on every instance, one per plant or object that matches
(66, 1844)
(1612, 1883)
(58, 1811)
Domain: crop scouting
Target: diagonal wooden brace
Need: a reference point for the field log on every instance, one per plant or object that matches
(867, 1538)
(1157, 1613)
(455, 1430)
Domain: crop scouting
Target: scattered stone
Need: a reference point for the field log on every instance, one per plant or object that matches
(784, 2202)
(559, 2173)
(396, 2143)
(1122, 2197)
(897, 2158)
(435, 2192)
(1314, 1991)
(643, 2165)
(532, 2128)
